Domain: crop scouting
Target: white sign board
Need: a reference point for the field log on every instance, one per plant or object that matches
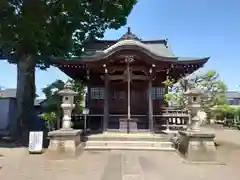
(85, 111)
(35, 142)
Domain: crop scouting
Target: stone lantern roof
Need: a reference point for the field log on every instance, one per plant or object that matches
(193, 92)
(67, 90)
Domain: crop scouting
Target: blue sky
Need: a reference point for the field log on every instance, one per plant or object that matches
(194, 28)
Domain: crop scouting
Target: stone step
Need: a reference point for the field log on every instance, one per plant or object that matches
(128, 145)
(97, 148)
(123, 137)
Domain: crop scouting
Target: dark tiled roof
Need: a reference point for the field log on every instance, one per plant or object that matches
(98, 48)
(156, 48)
(95, 50)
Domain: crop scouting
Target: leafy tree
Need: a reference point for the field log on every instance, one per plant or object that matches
(175, 93)
(34, 31)
(214, 90)
(52, 105)
(230, 114)
(79, 87)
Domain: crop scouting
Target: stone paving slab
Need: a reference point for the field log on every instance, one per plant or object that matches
(113, 169)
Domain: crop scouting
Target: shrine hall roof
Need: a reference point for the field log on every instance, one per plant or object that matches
(157, 49)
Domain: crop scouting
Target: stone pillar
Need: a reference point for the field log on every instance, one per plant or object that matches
(150, 107)
(106, 104)
(167, 124)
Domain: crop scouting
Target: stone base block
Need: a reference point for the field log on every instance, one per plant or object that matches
(123, 125)
(133, 127)
(197, 146)
(65, 143)
(128, 125)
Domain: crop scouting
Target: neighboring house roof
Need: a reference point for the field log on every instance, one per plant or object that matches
(11, 93)
(233, 95)
(38, 102)
(8, 93)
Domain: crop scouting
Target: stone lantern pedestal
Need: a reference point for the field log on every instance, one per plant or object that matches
(195, 144)
(66, 142)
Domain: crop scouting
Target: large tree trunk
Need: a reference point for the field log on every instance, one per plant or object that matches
(25, 94)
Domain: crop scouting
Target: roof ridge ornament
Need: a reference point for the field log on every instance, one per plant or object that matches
(129, 35)
(129, 30)
(166, 42)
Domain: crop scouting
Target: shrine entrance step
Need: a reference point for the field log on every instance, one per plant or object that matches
(122, 141)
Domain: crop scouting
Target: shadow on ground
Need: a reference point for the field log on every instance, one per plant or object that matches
(224, 145)
(9, 143)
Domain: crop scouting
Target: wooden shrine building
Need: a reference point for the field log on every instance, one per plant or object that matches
(125, 79)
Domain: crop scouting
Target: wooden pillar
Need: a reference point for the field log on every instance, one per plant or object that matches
(150, 107)
(128, 92)
(106, 103)
(167, 104)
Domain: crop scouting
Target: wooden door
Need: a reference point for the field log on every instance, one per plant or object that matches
(118, 98)
(139, 101)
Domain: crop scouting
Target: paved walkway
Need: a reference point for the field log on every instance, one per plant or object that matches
(116, 165)
(113, 166)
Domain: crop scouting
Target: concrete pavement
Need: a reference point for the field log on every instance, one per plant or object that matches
(16, 163)
(114, 165)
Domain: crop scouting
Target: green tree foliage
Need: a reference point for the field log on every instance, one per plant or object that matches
(52, 105)
(79, 87)
(214, 90)
(34, 31)
(175, 92)
(230, 114)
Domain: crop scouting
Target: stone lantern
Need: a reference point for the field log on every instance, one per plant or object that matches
(66, 141)
(67, 105)
(195, 144)
(194, 105)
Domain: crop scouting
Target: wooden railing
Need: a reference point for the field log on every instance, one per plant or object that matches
(166, 121)
(172, 120)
